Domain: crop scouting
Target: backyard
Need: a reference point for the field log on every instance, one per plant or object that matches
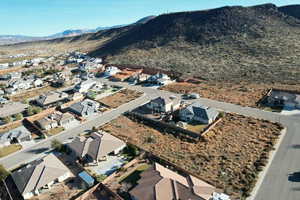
(24, 96)
(230, 156)
(55, 131)
(120, 98)
(4, 151)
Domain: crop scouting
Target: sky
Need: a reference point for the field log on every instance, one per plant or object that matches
(46, 17)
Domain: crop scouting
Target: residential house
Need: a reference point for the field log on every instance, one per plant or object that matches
(37, 82)
(15, 75)
(84, 86)
(12, 108)
(51, 98)
(84, 108)
(139, 78)
(159, 79)
(96, 147)
(39, 175)
(76, 96)
(17, 135)
(47, 123)
(282, 98)
(199, 113)
(110, 71)
(164, 104)
(20, 84)
(161, 183)
(3, 100)
(65, 119)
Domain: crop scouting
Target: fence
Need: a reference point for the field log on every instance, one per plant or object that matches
(169, 128)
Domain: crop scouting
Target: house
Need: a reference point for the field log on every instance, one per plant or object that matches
(76, 96)
(39, 175)
(84, 108)
(84, 86)
(51, 98)
(37, 83)
(282, 98)
(164, 104)
(161, 183)
(17, 135)
(159, 79)
(12, 108)
(199, 113)
(110, 71)
(15, 75)
(3, 100)
(20, 84)
(47, 123)
(139, 78)
(65, 119)
(96, 147)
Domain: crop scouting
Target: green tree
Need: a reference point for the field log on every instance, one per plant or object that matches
(37, 110)
(19, 116)
(3, 173)
(7, 119)
(29, 111)
(57, 145)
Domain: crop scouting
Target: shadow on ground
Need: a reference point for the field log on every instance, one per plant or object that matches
(294, 177)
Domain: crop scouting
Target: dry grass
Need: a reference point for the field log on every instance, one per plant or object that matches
(238, 147)
(4, 151)
(31, 93)
(241, 94)
(55, 131)
(120, 98)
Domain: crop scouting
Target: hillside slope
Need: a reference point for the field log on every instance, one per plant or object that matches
(292, 10)
(254, 44)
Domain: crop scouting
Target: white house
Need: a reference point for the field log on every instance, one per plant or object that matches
(110, 71)
(84, 86)
(37, 82)
(164, 104)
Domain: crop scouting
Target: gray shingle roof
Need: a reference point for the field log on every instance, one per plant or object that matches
(85, 107)
(201, 111)
(18, 133)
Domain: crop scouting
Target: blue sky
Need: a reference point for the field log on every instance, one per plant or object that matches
(45, 17)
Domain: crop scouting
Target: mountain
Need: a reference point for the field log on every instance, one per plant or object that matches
(12, 39)
(292, 10)
(258, 43)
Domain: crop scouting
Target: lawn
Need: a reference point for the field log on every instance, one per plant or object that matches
(134, 177)
(237, 146)
(4, 151)
(55, 131)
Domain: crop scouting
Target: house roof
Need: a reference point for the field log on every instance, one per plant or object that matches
(201, 111)
(39, 173)
(12, 108)
(160, 183)
(86, 177)
(51, 97)
(85, 107)
(20, 132)
(96, 146)
(165, 100)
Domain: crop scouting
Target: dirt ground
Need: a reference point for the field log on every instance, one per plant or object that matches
(31, 93)
(230, 157)
(119, 98)
(241, 94)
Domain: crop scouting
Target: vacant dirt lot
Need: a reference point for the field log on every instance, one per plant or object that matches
(233, 153)
(241, 93)
(31, 93)
(119, 98)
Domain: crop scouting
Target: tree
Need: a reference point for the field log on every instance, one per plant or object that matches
(57, 145)
(29, 111)
(37, 110)
(19, 116)
(3, 173)
(7, 119)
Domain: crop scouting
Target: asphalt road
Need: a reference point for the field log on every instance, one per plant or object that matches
(281, 182)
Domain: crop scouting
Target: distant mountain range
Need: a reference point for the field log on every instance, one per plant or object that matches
(13, 39)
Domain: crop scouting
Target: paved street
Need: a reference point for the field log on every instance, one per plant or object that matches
(276, 184)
